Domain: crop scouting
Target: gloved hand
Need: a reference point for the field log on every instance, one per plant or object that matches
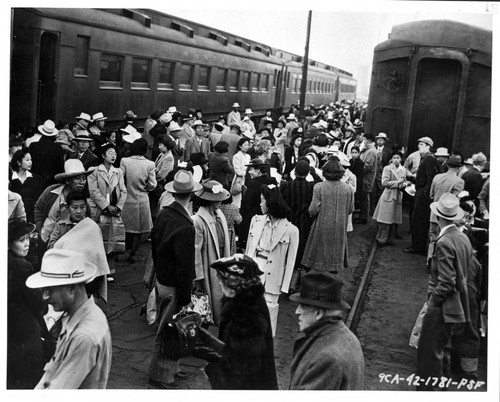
(206, 353)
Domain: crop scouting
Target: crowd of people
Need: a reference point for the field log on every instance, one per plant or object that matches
(243, 210)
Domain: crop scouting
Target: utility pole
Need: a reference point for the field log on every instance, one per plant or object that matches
(305, 64)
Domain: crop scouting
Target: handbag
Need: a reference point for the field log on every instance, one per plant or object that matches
(113, 233)
(180, 334)
(237, 185)
(201, 305)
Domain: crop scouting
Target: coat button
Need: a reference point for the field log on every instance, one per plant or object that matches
(269, 273)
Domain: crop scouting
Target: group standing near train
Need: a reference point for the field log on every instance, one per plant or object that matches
(240, 208)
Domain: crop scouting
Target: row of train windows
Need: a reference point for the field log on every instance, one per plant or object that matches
(111, 75)
(316, 87)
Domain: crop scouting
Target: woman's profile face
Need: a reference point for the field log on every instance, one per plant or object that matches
(20, 246)
(263, 205)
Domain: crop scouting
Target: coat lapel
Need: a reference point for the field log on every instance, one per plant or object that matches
(211, 223)
(280, 232)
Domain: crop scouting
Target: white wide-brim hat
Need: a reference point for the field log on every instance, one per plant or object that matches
(98, 117)
(62, 267)
(410, 190)
(72, 168)
(48, 128)
(84, 116)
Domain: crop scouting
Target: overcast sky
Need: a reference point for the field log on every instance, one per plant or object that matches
(343, 36)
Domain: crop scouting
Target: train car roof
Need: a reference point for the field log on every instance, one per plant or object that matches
(444, 33)
(159, 25)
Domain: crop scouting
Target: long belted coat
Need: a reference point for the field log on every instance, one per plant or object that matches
(326, 246)
(389, 209)
(104, 189)
(278, 268)
(206, 252)
(140, 178)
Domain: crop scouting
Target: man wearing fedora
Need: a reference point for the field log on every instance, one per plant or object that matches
(441, 156)
(328, 356)
(173, 252)
(420, 222)
(447, 294)
(82, 359)
(447, 182)
(47, 156)
(86, 156)
(234, 116)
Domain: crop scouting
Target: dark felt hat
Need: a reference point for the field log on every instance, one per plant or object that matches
(454, 161)
(238, 265)
(302, 168)
(213, 191)
(221, 147)
(19, 228)
(255, 162)
(321, 289)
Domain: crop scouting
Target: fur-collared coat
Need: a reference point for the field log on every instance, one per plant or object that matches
(206, 252)
(278, 268)
(248, 356)
(389, 209)
(328, 357)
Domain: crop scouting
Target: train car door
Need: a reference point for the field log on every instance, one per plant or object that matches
(436, 101)
(279, 97)
(47, 76)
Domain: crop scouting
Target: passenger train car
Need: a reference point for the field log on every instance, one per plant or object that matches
(433, 78)
(65, 61)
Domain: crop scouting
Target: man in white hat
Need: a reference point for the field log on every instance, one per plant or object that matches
(82, 359)
(82, 121)
(234, 116)
(47, 156)
(97, 125)
(247, 124)
(291, 125)
(83, 152)
(198, 143)
(420, 221)
(173, 250)
(447, 299)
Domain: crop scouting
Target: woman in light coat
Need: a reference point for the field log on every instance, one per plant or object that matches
(211, 242)
(273, 242)
(240, 161)
(107, 192)
(140, 178)
(389, 211)
(350, 179)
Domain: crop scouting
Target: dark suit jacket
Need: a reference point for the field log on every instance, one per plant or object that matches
(450, 263)
(220, 169)
(48, 159)
(427, 169)
(290, 159)
(88, 158)
(172, 247)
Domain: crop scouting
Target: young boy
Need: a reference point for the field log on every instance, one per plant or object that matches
(357, 168)
(77, 205)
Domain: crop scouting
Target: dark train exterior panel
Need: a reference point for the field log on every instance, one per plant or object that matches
(433, 78)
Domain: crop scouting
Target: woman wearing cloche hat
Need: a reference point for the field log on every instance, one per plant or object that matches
(244, 362)
(212, 240)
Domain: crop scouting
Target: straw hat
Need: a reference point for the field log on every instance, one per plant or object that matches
(442, 151)
(84, 116)
(48, 128)
(62, 267)
(98, 117)
(82, 135)
(235, 104)
(130, 134)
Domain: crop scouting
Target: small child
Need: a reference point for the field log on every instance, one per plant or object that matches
(77, 206)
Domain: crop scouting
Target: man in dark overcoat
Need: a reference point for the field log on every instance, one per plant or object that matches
(48, 157)
(427, 169)
(369, 158)
(86, 156)
(447, 302)
(172, 247)
(328, 356)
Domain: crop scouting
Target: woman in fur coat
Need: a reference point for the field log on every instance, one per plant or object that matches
(246, 359)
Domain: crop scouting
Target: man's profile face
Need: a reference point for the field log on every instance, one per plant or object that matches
(306, 316)
(423, 147)
(60, 297)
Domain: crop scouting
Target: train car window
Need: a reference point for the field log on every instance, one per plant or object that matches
(294, 84)
(82, 55)
(221, 84)
(111, 71)
(166, 78)
(141, 69)
(288, 80)
(309, 86)
(275, 78)
(245, 81)
(234, 80)
(186, 76)
(314, 88)
(264, 82)
(255, 82)
(203, 78)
